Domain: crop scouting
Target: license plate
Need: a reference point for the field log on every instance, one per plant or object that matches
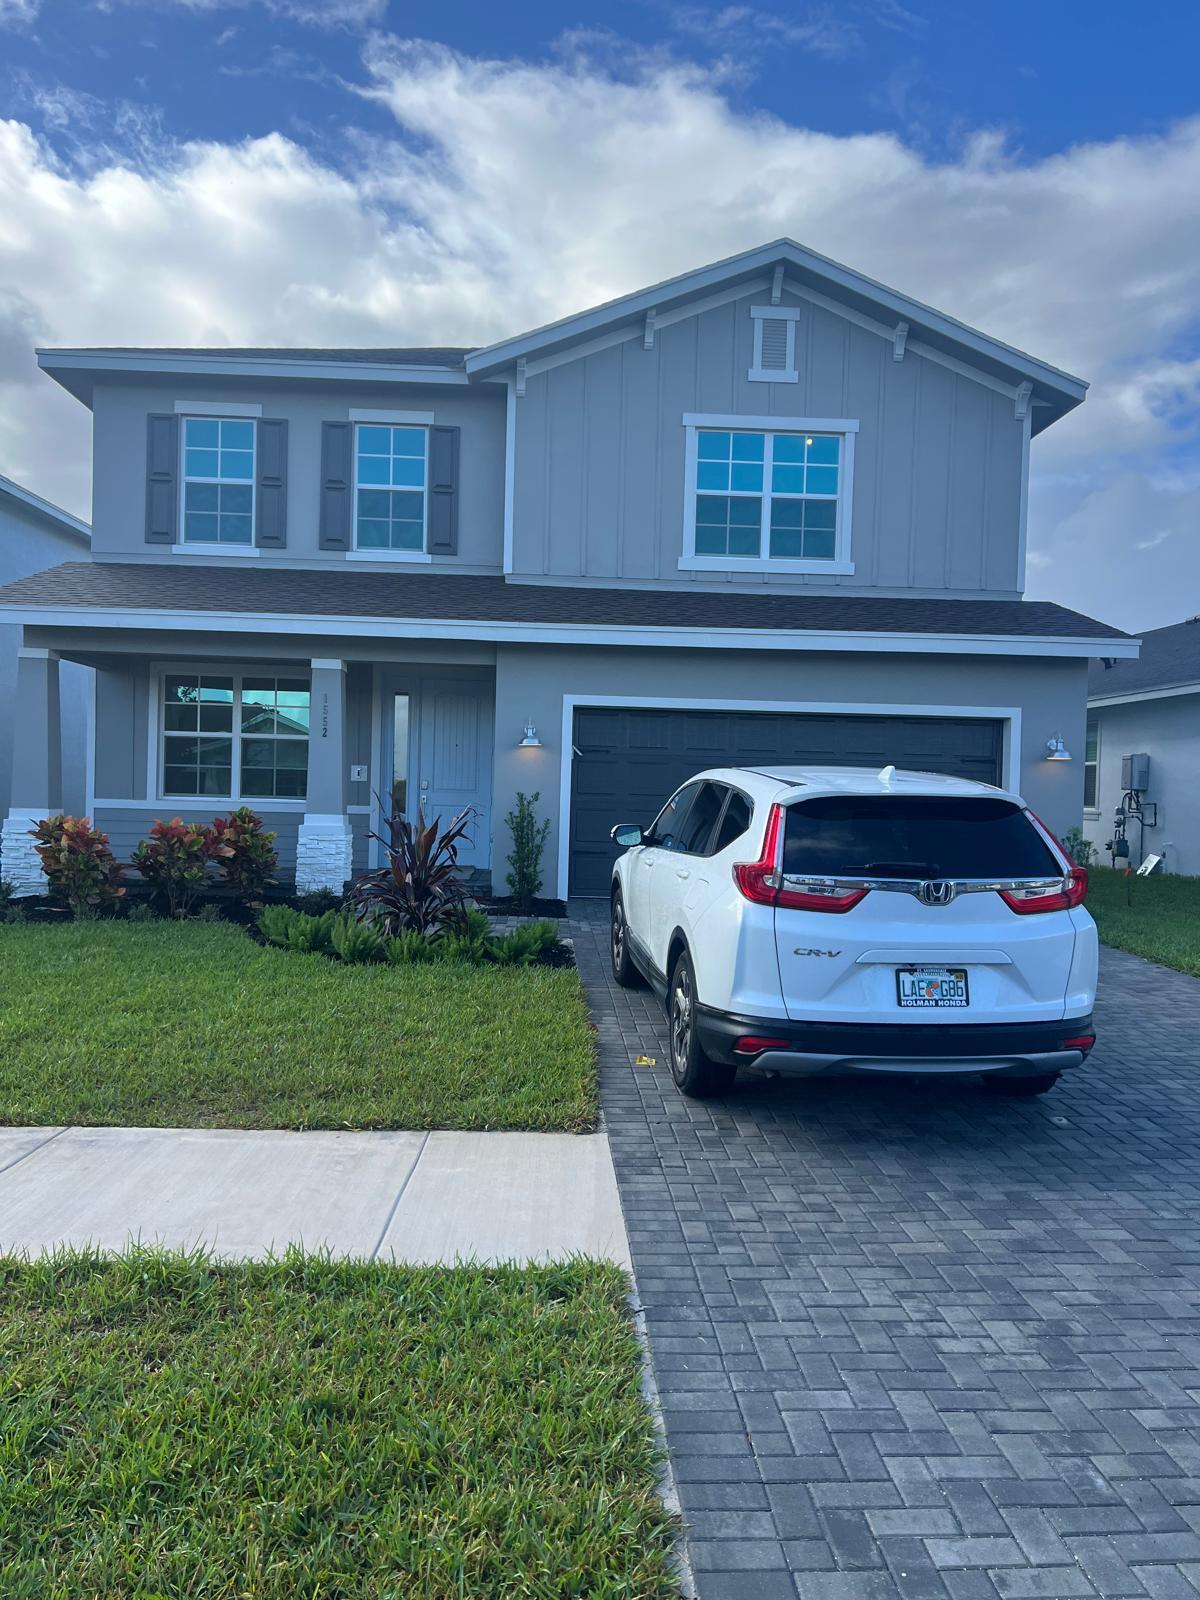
(931, 986)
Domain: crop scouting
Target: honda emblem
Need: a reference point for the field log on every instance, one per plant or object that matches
(937, 892)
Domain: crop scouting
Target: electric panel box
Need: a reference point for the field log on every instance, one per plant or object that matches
(1135, 773)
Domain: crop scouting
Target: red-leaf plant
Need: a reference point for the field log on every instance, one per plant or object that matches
(175, 859)
(250, 859)
(81, 868)
(419, 890)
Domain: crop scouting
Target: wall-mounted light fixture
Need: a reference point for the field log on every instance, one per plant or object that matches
(1056, 750)
(530, 740)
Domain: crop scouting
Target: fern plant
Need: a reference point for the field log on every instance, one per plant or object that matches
(409, 949)
(356, 942)
(523, 946)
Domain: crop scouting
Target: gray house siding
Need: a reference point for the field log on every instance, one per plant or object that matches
(599, 481)
(531, 683)
(119, 481)
(1168, 731)
(28, 543)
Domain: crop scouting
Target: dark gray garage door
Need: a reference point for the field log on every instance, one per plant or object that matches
(627, 763)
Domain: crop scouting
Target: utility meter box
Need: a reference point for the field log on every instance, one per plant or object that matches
(1135, 773)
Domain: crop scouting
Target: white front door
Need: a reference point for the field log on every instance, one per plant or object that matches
(442, 756)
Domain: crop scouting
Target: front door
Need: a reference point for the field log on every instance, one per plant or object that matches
(442, 756)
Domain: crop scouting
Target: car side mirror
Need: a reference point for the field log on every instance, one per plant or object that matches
(626, 834)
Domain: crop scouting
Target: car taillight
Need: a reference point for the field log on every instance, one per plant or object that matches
(762, 881)
(1082, 1041)
(1071, 891)
(752, 1045)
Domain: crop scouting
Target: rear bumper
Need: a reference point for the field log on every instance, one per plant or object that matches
(805, 1049)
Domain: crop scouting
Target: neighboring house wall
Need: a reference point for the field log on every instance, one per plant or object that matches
(30, 542)
(531, 684)
(1168, 731)
(938, 483)
(119, 482)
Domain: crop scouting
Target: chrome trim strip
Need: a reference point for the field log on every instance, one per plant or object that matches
(913, 886)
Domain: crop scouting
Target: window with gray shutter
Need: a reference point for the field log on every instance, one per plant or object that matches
(162, 482)
(337, 454)
(271, 511)
(443, 491)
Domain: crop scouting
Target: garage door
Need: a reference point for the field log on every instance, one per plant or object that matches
(627, 762)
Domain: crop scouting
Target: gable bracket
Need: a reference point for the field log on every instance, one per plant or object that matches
(648, 330)
(520, 376)
(777, 284)
(899, 340)
(1021, 400)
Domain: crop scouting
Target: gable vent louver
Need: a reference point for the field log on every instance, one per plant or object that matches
(774, 344)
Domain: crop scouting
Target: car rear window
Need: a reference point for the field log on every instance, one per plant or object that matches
(913, 836)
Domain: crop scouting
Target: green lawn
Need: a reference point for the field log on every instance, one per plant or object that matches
(316, 1430)
(1154, 917)
(194, 1025)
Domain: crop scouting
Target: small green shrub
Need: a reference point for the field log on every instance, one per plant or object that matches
(356, 942)
(249, 860)
(80, 866)
(409, 949)
(13, 913)
(141, 911)
(316, 902)
(175, 860)
(1081, 851)
(529, 841)
(465, 947)
(275, 923)
(210, 912)
(6, 891)
(523, 946)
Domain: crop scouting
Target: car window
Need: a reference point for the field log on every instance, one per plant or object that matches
(734, 823)
(914, 836)
(664, 830)
(700, 820)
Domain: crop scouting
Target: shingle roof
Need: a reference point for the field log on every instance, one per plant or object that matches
(1169, 658)
(169, 586)
(407, 356)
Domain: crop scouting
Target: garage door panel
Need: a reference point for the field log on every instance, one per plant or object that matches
(632, 760)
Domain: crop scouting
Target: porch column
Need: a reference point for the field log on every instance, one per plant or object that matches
(324, 847)
(36, 769)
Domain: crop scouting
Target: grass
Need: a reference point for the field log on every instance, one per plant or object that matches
(1158, 918)
(194, 1025)
(318, 1430)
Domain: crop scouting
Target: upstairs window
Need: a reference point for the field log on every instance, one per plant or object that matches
(391, 470)
(759, 497)
(218, 480)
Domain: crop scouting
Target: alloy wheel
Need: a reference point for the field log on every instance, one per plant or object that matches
(681, 1020)
(618, 934)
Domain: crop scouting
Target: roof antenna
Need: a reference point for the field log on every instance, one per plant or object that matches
(886, 776)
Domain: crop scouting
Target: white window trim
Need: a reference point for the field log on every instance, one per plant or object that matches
(198, 547)
(217, 408)
(156, 731)
(394, 419)
(840, 565)
(788, 373)
(1092, 813)
(209, 546)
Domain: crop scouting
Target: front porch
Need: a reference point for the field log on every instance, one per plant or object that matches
(320, 745)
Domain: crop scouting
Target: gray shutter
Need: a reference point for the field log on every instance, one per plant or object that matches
(162, 479)
(270, 532)
(337, 455)
(774, 344)
(443, 491)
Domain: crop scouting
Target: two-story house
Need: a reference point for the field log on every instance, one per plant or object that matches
(769, 509)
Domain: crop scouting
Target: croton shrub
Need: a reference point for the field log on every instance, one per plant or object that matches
(79, 864)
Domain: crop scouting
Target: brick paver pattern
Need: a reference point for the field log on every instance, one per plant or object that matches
(914, 1340)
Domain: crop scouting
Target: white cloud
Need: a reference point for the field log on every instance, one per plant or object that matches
(18, 13)
(513, 193)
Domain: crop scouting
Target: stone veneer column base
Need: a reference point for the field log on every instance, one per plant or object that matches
(324, 853)
(20, 863)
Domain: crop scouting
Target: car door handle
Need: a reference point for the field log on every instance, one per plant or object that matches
(682, 872)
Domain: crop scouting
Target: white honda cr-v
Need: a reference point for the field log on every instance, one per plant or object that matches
(808, 920)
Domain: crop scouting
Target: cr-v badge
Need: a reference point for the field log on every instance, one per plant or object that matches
(816, 952)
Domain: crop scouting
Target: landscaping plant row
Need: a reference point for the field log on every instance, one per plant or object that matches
(469, 938)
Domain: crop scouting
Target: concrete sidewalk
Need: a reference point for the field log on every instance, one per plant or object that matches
(411, 1197)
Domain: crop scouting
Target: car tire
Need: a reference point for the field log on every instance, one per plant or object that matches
(696, 1074)
(623, 970)
(1036, 1083)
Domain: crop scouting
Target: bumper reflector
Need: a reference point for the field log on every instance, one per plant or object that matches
(751, 1045)
(1082, 1041)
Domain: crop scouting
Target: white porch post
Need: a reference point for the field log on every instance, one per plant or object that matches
(36, 771)
(324, 847)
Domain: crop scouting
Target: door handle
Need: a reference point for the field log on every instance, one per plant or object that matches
(681, 872)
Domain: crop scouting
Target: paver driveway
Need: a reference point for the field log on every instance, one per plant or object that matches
(915, 1341)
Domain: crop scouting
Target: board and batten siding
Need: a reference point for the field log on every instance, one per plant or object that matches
(599, 481)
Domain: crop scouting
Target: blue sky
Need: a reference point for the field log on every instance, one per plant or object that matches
(308, 171)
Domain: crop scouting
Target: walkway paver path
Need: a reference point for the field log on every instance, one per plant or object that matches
(913, 1341)
(413, 1197)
